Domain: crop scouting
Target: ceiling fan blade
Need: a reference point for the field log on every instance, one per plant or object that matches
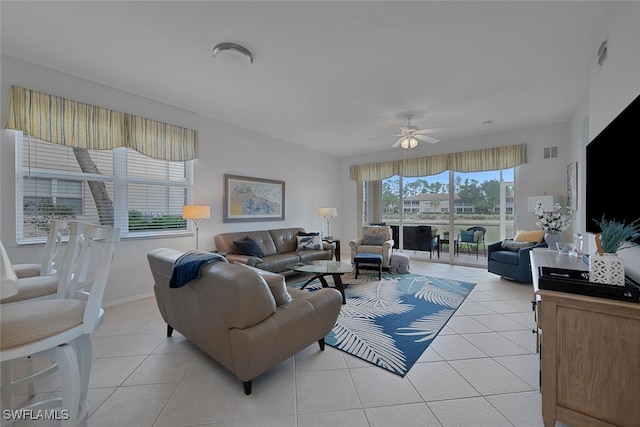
(431, 130)
(397, 143)
(427, 138)
(380, 137)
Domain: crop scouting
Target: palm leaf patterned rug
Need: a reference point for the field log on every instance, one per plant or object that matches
(391, 322)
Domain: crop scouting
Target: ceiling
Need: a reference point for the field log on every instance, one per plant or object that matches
(329, 75)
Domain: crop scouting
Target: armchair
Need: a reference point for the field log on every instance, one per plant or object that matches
(511, 260)
(374, 240)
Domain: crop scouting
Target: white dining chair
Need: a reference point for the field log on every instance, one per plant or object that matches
(61, 328)
(52, 254)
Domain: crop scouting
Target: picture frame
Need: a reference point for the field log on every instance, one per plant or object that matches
(248, 199)
(572, 189)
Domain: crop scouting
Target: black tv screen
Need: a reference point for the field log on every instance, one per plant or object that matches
(613, 171)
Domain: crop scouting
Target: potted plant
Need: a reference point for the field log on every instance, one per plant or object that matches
(614, 235)
(605, 266)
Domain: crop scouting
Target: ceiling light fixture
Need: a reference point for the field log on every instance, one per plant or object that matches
(408, 143)
(232, 57)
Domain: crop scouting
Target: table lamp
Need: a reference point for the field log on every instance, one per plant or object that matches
(196, 214)
(328, 213)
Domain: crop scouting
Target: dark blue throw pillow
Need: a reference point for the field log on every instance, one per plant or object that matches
(248, 247)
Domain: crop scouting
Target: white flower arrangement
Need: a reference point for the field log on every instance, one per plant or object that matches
(552, 222)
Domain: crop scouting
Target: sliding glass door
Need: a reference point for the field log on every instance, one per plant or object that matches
(479, 199)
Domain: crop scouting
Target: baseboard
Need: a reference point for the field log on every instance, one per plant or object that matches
(130, 299)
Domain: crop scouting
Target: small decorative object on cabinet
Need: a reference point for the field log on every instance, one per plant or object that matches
(553, 222)
(605, 266)
(551, 238)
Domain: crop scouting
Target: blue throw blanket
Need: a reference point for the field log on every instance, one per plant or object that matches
(187, 266)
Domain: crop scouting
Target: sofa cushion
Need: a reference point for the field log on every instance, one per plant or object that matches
(248, 247)
(374, 239)
(276, 282)
(505, 257)
(278, 263)
(516, 246)
(529, 236)
(309, 243)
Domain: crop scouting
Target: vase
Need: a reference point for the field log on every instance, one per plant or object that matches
(607, 269)
(551, 238)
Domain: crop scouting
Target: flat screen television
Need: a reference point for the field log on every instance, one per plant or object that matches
(613, 171)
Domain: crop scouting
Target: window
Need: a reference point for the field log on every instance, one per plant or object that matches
(140, 195)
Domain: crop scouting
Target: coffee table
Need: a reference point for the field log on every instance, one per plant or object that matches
(323, 268)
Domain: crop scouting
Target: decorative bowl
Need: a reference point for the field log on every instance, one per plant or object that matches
(564, 247)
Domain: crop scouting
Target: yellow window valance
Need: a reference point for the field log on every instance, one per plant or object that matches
(75, 124)
(486, 159)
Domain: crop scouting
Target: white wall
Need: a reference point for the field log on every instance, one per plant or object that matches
(311, 178)
(611, 88)
(538, 176)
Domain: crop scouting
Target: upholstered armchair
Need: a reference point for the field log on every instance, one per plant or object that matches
(511, 260)
(374, 240)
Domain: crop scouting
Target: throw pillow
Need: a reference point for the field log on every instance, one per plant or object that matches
(248, 247)
(467, 236)
(306, 243)
(373, 239)
(516, 246)
(276, 282)
(529, 236)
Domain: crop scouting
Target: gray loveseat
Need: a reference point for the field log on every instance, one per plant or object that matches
(278, 246)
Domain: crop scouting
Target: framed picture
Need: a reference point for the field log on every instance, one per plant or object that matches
(572, 190)
(252, 199)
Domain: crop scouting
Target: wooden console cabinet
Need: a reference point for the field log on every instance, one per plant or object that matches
(590, 359)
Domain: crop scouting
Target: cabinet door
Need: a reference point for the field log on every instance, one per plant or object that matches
(598, 364)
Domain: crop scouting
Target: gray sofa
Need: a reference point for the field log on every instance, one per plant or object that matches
(279, 247)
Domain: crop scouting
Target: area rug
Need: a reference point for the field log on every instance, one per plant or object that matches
(391, 322)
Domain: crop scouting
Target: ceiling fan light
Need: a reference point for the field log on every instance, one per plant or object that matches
(404, 144)
(413, 143)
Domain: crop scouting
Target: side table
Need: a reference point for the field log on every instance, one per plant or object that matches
(446, 241)
(335, 240)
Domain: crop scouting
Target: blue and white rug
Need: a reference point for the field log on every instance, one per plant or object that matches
(391, 322)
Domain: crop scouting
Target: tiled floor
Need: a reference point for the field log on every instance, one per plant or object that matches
(481, 370)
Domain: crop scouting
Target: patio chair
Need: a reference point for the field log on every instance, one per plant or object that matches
(473, 237)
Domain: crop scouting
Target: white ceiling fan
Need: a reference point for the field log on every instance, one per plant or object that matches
(410, 135)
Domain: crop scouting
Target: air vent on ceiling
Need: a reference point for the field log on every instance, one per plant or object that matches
(602, 53)
(551, 152)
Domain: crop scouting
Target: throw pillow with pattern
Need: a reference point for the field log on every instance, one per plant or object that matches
(306, 243)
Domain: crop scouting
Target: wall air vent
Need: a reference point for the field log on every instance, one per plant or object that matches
(551, 152)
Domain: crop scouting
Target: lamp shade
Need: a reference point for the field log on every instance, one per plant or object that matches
(546, 201)
(328, 212)
(196, 212)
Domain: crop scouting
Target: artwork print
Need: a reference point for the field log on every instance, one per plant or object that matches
(252, 199)
(572, 178)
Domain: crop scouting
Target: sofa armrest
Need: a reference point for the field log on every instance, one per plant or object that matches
(523, 254)
(243, 259)
(355, 243)
(293, 327)
(388, 244)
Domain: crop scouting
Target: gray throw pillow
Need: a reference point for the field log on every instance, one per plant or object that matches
(516, 246)
(373, 239)
(276, 282)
